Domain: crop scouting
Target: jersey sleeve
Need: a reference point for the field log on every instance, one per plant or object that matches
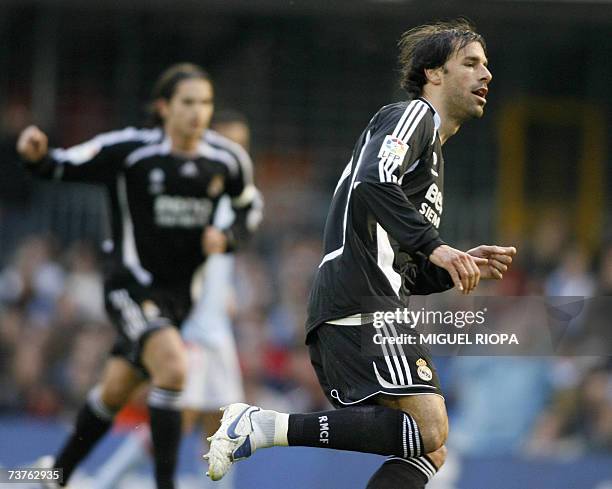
(428, 278)
(399, 134)
(94, 161)
(239, 186)
(246, 200)
(397, 138)
(247, 220)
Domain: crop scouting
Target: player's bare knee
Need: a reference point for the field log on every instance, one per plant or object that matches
(171, 376)
(113, 396)
(165, 359)
(433, 438)
(436, 434)
(169, 369)
(438, 457)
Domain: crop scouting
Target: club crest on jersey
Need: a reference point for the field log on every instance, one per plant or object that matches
(216, 186)
(393, 147)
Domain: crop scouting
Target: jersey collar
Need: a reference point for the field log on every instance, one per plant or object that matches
(436, 116)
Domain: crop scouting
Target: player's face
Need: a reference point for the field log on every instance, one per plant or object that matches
(465, 82)
(189, 110)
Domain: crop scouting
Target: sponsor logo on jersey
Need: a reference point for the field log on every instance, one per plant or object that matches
(182, 212)
(432, 209)
(393, 148)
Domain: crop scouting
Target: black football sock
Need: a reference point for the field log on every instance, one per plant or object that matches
(92, 422)
(165, 434)
(408, 473)
(369, 429)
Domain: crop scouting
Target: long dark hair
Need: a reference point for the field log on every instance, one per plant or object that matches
(166, 84)
(430, 46)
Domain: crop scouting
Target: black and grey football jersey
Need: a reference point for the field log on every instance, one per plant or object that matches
(383, 220)
(160, 201)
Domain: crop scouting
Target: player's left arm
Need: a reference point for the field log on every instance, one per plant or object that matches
(246, 202)
(499, 259)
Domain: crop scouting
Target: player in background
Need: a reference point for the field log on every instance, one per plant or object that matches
(213, 371)
(164, 186)
(381, 244)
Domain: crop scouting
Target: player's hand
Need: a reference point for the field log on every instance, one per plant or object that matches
(213, 241)
(499, 259)
(462, 267)
(32, 144)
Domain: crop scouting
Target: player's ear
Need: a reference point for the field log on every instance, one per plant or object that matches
(161, 107)
(434, 75)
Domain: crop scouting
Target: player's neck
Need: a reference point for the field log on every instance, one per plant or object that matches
(183, 145)
(448, 124)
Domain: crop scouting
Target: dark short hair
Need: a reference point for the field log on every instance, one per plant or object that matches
(430, 46)
(166, 84)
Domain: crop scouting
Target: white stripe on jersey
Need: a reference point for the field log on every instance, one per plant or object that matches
(130, 254)
(410, 108)
(338, 252)
(385, 259)
(345, 174)
(220, 155)
(239, 153)
(403, 130)
(163, 148)
(82, 153)
(408, 135)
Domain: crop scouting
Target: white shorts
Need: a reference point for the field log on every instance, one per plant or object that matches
(213, 376)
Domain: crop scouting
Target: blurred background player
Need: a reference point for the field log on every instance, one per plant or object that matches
(213, 370)
(164, 186)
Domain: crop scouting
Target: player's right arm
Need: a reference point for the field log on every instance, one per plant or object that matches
(94, 161)
(397, 140)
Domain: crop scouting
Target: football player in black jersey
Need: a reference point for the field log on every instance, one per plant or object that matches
(164, 185)
(381, 245)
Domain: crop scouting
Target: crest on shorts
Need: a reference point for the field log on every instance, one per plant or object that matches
(421, 363)
(424, 373)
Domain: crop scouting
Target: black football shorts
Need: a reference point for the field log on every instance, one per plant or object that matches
(353, 369)
(136, 311)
